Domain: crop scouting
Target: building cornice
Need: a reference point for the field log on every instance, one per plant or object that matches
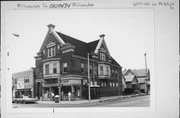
(51, 59)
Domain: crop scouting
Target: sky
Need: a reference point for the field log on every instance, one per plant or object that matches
(129, 33)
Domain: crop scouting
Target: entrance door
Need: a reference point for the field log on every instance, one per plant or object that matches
(55, 90)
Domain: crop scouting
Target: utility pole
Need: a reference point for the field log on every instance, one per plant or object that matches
(89, 81)
(146, 70)
(118, 77)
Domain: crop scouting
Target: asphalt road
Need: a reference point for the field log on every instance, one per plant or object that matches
(139, 101)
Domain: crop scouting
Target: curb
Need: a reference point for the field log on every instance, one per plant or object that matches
(86, 101)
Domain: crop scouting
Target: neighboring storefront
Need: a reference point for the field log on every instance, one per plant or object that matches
(23, 83)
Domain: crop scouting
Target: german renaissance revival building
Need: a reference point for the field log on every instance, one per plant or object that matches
(62, 56)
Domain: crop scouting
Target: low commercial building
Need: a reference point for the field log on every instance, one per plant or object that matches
(23, 83)
(62, 57)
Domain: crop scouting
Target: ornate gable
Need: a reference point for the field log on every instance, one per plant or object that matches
(129, 72)
(102, 46)
(51, 36)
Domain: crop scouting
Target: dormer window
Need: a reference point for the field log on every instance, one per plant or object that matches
(51, 51)
(102, 56)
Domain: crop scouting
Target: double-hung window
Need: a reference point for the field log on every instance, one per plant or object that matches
(101, 70)
(47, 69)
(54, 68)
(51, 51)
(82, 67)
(107, 70)
(65, 67)
(102, 56)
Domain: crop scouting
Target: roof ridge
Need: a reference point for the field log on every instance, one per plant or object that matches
(93, 41)
(72, 37)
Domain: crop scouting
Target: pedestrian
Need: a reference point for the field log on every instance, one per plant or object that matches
(52, 94)
(62, 95)
(69, 95)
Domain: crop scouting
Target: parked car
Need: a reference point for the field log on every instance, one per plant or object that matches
(24, 99)
(128, 91)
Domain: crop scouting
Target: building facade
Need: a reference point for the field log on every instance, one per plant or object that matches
(143, 78)
(23, 83)
(66, 58)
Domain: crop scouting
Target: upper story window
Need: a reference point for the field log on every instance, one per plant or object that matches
(107, 70)
(116, 84)
(102, 56)
(55, 68)
(47, 69)
(110, 84)
(65, 67)
(95, 70)
(104, 70)
(51, 51)
(101, 70)
(112, 71)
(82, 68)
(113, 84)
(116, 72)
(90, 69)
(26, 80)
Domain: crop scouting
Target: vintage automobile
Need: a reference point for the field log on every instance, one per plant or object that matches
(24, 99)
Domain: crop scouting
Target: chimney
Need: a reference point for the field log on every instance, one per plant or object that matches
(51, 26)
(102, 36)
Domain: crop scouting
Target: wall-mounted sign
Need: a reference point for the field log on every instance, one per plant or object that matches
(71, 82)
(20, 83)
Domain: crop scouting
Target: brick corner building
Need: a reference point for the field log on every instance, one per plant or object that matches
(62, 56)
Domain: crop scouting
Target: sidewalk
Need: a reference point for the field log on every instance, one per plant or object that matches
(87, 101)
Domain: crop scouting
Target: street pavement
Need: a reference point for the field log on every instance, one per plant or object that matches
(116, 101)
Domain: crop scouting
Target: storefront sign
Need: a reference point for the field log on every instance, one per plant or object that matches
(71, 82)
(20, 83)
